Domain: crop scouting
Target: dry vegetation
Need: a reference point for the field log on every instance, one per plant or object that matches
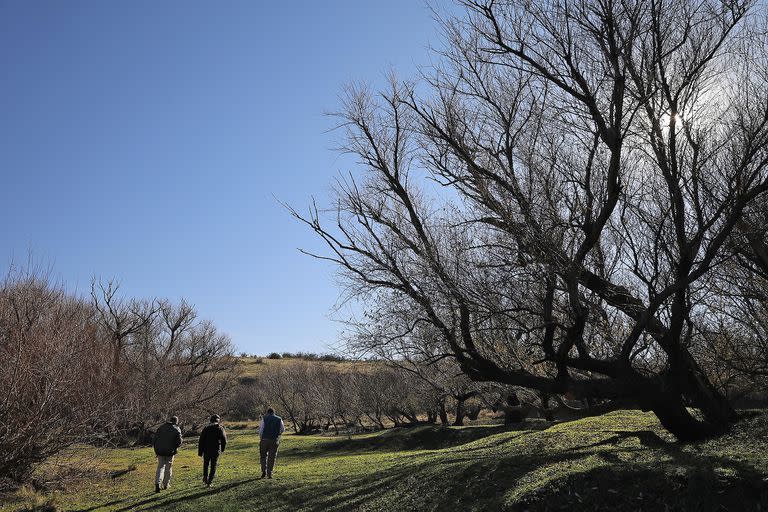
(102, 370)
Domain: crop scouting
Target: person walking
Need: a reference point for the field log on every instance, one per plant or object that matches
(271, 428)
(213, 441)
(166, 444)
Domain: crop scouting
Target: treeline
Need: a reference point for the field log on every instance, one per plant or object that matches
(313, 396)
(307, 356)
(98, 369)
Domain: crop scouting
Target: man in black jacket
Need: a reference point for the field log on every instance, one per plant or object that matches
(213, 441)
(166, 443)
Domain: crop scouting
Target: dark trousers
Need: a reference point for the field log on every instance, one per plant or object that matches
(207, 459)
(268, 453)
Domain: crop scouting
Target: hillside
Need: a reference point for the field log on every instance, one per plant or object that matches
(621, 461)
(250, 366)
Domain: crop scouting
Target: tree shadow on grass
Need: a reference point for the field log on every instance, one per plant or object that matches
(672, 479)
(685, 480)
(421, 482)
(103, 505)
(647, 438)
(161, 501)
(423, 437)
(624, 487)
(609, 474)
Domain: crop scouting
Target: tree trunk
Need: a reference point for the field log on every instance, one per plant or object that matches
(714, 406)
(459, 413)
(443, 414)
(545, 409)
(411, 416)
(691, 385)
(674, 417)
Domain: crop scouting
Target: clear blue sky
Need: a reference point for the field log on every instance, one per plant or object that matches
(145, 140)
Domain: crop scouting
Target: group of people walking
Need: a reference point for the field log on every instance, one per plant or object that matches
(213, 442)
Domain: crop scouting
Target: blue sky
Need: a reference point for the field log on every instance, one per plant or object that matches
(146, 141)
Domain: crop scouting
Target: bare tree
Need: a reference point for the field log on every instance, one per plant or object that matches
(595, 160)
(55, 377)
(291, 388)
(335, 395)
(175, 363)
(373, 394)
(119, 318)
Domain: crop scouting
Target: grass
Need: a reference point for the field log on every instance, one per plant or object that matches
(620, 461)
(251, 367)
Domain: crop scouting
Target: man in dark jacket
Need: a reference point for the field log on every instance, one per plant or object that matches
(166, 443)
(270, 430)
(213, 441)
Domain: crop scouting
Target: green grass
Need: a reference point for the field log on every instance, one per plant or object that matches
(621, 461)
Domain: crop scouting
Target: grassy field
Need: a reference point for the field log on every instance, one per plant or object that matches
(253, 366)
(621, 461)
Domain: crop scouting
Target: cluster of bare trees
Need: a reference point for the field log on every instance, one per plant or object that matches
(314, 395)
(572, 200)
(76, 370)
(167, 360)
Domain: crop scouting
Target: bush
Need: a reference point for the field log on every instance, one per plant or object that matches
(51, 350)
(274, 355)
(332, 358)
(36, 502)
(54, 345)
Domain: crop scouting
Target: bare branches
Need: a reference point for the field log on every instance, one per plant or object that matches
(594, 166)
(79, 371)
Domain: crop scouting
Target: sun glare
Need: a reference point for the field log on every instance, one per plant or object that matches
(668, 119)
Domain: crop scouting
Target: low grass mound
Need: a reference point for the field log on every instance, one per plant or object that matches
(422, 437)
(620, 461)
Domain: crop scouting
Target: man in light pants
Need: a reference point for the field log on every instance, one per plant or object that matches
(167, 442)
(270, 429)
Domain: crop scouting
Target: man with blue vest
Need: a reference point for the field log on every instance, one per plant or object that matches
(270, 429)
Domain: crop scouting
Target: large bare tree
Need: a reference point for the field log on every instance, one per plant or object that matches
(165, 360)
(558, 196)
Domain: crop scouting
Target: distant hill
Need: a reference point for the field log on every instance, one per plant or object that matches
(250, 366)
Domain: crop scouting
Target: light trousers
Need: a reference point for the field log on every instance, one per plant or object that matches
(164, 470)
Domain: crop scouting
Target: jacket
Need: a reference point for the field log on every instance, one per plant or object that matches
(213, 440)
(167, 440)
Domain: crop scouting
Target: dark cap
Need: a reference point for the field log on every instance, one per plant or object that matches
(215, 418)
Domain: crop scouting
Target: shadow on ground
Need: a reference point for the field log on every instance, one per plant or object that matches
(421, 437)
(620, 462)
